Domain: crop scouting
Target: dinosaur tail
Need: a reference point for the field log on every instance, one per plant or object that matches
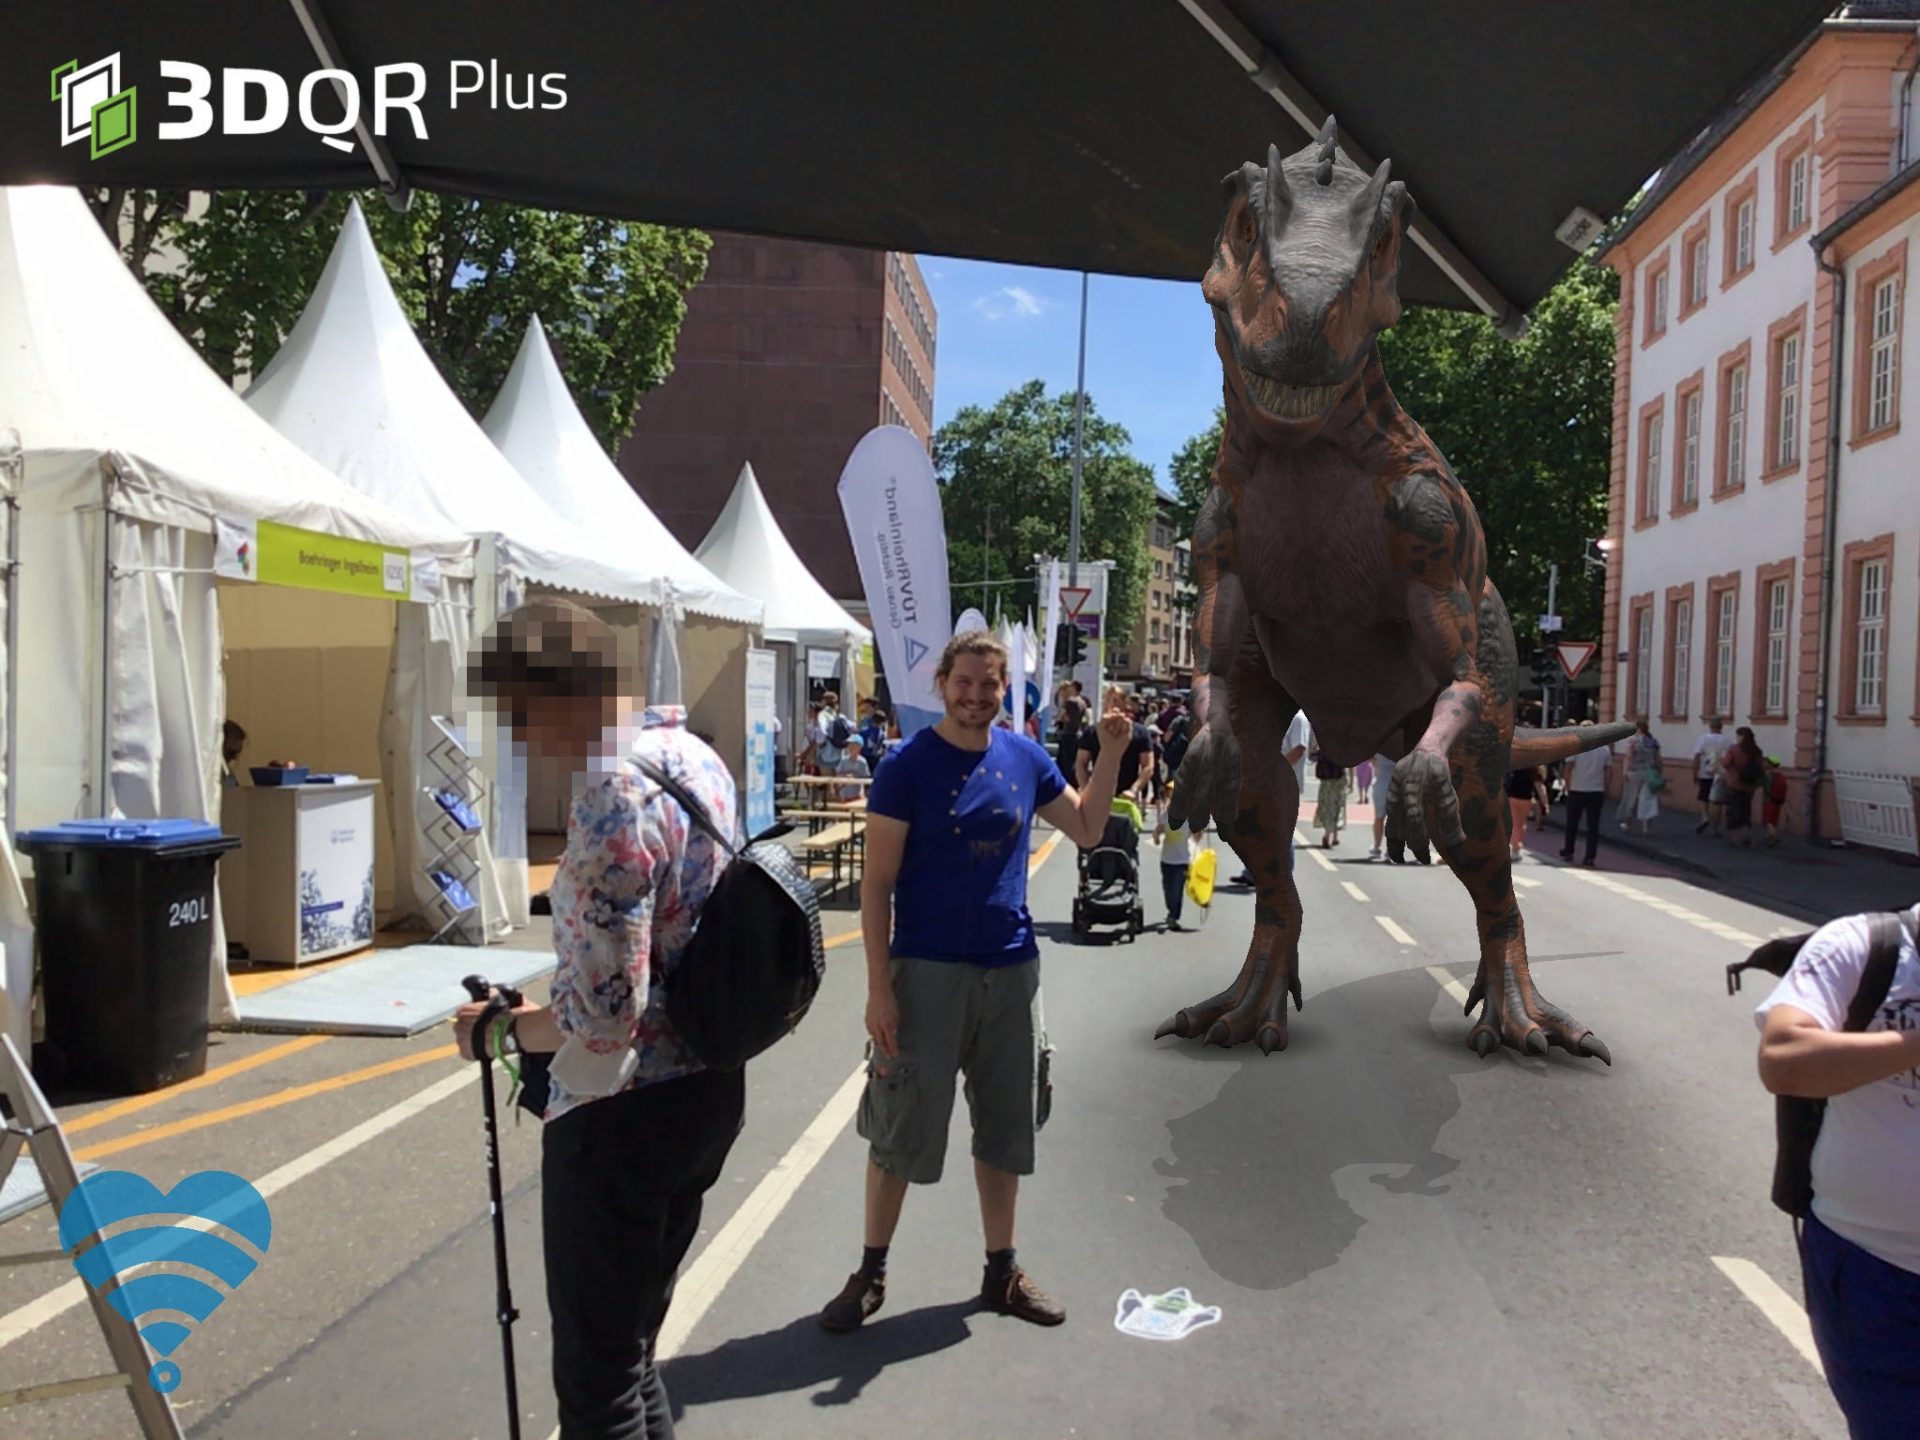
(1545, 747)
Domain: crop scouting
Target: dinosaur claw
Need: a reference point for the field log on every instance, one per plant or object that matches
(1270, 1039)
(1220, 1035)
(1175, 1025)
(1536, 1042)
(1592, 1044)
(1483, 1042)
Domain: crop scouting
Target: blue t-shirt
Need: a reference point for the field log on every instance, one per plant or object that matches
(962, 891)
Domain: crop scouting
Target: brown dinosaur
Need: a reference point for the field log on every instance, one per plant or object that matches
(1342, 569)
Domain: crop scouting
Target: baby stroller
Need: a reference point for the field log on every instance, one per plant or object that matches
(1108, 900)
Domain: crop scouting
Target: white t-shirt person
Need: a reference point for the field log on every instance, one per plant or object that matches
(1707, 751)
(1866, 1164)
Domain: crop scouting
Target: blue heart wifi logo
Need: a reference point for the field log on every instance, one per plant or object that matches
(142, 1271)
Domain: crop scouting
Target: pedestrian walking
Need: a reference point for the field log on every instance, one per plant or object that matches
(1743, 771)
(1707, 750)
(636, 1130)
(835, 731)
(1774, 800)
(1382, 787)
(1642, 775)
(954, 989)
(1519, 802)
(1542, 796)
(1330, 801)
(1586, 797)
(1176, 856)
(1860, 1246)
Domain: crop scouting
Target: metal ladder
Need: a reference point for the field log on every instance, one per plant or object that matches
(30, 1125)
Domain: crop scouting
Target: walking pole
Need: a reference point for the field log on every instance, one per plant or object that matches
(481, 991)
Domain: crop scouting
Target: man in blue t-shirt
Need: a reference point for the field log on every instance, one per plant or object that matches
(955, 990)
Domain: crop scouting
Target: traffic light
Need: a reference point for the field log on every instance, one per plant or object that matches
(1063, 644)
(1076, 646)
(1544, 666)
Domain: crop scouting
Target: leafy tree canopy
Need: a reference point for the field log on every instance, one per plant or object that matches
(1006, 478)
(235, 276)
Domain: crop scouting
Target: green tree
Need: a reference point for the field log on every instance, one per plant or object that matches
(1006, 478)
(469, 275)
(1526, 425)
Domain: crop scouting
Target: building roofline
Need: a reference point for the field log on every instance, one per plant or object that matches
(1864, 207)
(1694, 153)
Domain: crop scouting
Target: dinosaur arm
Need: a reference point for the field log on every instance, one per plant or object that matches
(1439, 548)
(1221, 616)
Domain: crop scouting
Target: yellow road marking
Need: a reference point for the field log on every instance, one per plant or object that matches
(199, 1082)
(255, 982)
(263, 1103)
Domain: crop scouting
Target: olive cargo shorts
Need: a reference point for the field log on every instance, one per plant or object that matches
(959, 1019)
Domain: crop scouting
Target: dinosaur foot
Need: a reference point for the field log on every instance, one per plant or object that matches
(1515, 1015)
(1253, 1008)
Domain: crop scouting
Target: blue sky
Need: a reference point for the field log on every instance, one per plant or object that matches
(1150, 358)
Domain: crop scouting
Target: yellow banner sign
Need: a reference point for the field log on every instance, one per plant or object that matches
(314, 561)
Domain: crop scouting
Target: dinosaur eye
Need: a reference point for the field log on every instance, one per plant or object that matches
(1243, 230)
(1380, 246)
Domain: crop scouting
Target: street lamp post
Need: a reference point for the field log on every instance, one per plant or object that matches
(1079, 408)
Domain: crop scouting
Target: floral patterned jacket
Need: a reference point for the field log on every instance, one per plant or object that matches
(630, 885)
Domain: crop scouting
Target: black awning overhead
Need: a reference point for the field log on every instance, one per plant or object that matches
(1071, 133)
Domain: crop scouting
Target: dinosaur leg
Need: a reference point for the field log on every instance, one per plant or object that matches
(1260, 832)
(1513, 1013)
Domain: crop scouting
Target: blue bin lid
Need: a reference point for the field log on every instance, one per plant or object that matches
(121, 832)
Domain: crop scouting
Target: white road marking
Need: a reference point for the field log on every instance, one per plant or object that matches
(1720, 928)
(1452, 986)
(1525, 882)
(62, 1298)
(1392, 927)
(1354, 890)
(1321, 860)
(1774, 1303)
(703, 1281)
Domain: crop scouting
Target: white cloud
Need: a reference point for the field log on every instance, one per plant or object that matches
(1011, 302)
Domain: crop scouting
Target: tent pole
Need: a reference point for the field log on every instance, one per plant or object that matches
(1079, 409)
(103, 778)
(13, 650)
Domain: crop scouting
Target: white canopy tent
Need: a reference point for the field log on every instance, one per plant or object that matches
(704, 626)
(127, 455)
(353, 387)
(748, 550)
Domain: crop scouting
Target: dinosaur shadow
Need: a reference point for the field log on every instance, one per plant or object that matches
(800, 1355)
(1257, 1171)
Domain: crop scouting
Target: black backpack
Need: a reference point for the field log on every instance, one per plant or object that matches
(838, 733)
(1797, 1118)
(755, 961)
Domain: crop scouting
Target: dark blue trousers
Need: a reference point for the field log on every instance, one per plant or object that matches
(1866, 1322)
(1173, 885)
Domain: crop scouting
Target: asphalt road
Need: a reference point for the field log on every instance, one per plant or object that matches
(1404, 1240)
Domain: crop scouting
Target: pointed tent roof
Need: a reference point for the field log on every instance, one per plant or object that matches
(353, 387)
(89, 367)
(747, 549)
(538, 427)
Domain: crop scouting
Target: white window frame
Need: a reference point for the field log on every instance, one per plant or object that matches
(1697, 273)
(1736, 475)
(1743, 236)
(1643, 651)
(1682, 653)
(1870, 640)
(1786, 439)
(1799, 183)
(1650, 503)
(1883, 362)
(1660, 302)
(1726, 622)
(1779, 605)
(1690, 462)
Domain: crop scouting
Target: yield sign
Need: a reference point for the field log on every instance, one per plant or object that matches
(1574, 655)
(1075, 598)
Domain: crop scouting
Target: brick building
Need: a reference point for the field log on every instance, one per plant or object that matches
(1764, 520)
(790, 352)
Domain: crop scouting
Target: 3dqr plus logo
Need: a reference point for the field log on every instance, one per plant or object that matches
(93, 107)
(165, 1278)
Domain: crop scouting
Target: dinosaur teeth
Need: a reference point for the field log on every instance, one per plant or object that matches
(1289, 402)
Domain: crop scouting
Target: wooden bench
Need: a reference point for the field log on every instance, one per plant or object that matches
(842, 842)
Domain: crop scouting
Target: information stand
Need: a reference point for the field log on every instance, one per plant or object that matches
(449, 814)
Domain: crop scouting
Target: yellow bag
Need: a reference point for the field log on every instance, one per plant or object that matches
(1200, 876)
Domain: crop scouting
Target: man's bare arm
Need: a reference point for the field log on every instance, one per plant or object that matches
(1800, 1056)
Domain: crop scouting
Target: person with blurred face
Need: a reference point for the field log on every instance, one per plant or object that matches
(953, 975)
(636, 1128)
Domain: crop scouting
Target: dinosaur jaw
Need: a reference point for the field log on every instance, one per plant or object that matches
(1289, 402)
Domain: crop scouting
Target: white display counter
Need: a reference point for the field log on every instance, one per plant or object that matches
(302, 887)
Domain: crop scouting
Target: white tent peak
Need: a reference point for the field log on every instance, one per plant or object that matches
(537, 425)
(747, 548)
(355, 389)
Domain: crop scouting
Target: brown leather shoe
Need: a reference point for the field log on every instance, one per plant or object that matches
(849, 1310)
(1017, 1295)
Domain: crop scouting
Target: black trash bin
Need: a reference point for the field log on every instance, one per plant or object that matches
(125, 925)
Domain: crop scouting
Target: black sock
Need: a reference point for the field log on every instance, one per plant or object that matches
(873, 1262)
(999, 1263)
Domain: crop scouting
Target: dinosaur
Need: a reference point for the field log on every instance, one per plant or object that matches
(1341, 568)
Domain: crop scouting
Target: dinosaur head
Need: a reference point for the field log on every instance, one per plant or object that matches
(1305, 274)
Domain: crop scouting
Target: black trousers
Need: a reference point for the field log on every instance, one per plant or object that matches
(621, 1181)
(1584, 804)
